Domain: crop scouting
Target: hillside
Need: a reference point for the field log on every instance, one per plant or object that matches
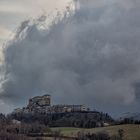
(39, 109)
(89, 119)
(131, 132)
(134, 116)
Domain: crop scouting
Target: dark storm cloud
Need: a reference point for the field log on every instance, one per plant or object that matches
(90, 57)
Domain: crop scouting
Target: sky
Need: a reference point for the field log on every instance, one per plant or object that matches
(12, 12)
(89, 56)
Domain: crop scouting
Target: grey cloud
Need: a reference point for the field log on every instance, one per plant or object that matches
(91, 57)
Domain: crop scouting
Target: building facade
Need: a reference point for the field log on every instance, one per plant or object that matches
(42, 104)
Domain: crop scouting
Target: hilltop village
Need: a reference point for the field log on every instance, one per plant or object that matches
(39, 109)
(42, 104)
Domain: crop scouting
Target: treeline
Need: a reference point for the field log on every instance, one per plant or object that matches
(73, 119)
(100, 136)
(11, 130)
(129, 121)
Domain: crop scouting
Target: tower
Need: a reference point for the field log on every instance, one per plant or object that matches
(39, 102)
(47, 99)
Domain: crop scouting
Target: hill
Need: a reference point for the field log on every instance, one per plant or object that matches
(134, 116)
(86, 119)
(131, 132)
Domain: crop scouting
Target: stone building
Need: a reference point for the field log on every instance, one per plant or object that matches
(42, 104)
(68, 108)
(39, 103)
(17, 110)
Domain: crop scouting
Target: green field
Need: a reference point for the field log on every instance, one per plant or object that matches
(131, 132)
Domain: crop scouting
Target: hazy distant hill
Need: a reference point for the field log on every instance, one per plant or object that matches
(134, 116)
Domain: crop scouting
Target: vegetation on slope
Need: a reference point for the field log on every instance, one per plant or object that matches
(131, 131)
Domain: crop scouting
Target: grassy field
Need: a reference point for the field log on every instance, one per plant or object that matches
(131, 132)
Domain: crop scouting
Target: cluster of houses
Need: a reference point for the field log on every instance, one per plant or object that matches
(42, 104)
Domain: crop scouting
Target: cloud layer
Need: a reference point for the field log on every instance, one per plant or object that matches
(90, 57)
(13, 12)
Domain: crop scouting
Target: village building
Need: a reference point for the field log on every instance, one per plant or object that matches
(42, 104)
